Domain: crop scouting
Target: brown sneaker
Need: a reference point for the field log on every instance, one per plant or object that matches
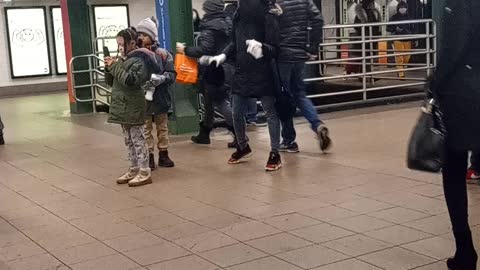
(131, 174)
(143, 178)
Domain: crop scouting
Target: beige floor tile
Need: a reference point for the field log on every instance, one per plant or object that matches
(364, 206)
(155, 254)
(135, 241)
(329, 213)
(185, 263)
(361, 224)
(221, 221)
(397, 258)
(398, 215)
(436, 225)
(278, 243)
(58, 236)
(270, 263)
(74, 209)
(435, 266)
(291, 221)
(25, 212)
(19, 251)
(352, 264)
(249, 230)
(357, 245)
(181, 230)
(82, 253)
(12, 238)
(156, 222)
(232, 255)
(111, 227)
(117, 262)
(313, 256)
(37, 262)
(337, 197)
(438, 247)
(205, 241)
(398, 235)
(200, 213)
(33, 221)
(322, 233)
(139, 212)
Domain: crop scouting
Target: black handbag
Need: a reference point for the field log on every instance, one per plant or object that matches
(427, 146)
(284, 100)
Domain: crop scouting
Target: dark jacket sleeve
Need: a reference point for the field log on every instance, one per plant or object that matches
(108, 77)
(272, 37)
(455, 32)
(206, 45)
(316, 22)
(169, 67)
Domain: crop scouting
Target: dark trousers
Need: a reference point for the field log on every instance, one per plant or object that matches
(455, 188)
(475, 161)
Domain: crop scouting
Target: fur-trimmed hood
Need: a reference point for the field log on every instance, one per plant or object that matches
(362, 15)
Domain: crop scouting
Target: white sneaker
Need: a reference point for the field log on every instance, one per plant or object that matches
(131, 174)
(143, 178)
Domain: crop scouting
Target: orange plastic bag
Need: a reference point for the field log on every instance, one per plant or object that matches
(186, 68)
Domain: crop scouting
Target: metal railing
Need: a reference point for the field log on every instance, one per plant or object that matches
(98, 93)
(374, 65)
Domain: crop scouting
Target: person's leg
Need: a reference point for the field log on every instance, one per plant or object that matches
(150, 140)
(455, 189)
(304, 104)
(407, 46)
(225, 108)
(141, 151)
(268, 104)
(240, 106)
(475, 161)
(286, 80)
(161, 122)
(252, 111)
(206, 125)
(132, 157)
(2, 141)
(398, 46)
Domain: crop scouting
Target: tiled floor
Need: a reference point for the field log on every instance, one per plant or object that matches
(357, 208)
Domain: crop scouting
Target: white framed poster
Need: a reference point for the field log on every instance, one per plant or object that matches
(59, 40)
(28, 42)
(109, 20)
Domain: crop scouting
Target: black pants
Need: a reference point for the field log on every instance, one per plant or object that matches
(475, 161)
(455, 188)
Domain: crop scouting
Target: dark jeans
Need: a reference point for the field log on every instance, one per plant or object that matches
(217, 98)
(455, 188)
(240, 109)
(292, 75)
(252, 110)
(475, 161)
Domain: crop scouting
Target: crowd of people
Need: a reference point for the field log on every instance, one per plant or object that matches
(261, 46)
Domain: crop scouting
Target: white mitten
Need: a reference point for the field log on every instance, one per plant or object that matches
(156, 79)
(149, 95)
(219, 59)
(204, 60)
(255, 48)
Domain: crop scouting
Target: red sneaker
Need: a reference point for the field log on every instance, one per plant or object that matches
(274, 162)
(240, 155)
(472, 176)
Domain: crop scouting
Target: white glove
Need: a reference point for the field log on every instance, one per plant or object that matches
(181, 48)
(219, 59)
(156, 79)
(255, 48)
(204, 60)
(149, 94)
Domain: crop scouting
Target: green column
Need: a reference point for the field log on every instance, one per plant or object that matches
(77, 32)
(185, 118)
(437, 12)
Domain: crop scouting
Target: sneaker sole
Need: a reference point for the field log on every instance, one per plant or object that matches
(243, 159)
(289, 151)
(276, 168)
(139, 184)
(123, 182)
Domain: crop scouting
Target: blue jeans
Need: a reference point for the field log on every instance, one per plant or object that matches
(291, 75)
(252, 110)
(240, 109)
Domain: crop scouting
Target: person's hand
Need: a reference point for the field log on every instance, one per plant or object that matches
(204, 60)
(255, 48)
(109, 61)
(181, 48)
(157, 80)
(219, 59)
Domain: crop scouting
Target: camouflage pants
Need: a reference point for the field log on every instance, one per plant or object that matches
(136, 145)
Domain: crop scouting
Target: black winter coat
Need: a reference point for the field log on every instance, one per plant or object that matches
(457, 78)
(254, 77)
(214, 36)
(295, 38)
(400, 29)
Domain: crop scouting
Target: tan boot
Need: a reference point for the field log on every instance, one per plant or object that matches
(143, 178)
(131, 174)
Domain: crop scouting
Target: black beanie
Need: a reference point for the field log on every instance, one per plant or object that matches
(213, 6)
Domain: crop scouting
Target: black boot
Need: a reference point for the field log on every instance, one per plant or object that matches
(203, 136)
(151, 161)
(2, 140)
(164, 160)
(465, 257)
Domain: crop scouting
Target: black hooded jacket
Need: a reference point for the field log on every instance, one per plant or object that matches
(400, 29)
(214, 36)
(255, 19)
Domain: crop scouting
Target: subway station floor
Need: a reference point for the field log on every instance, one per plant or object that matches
(357, 208)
